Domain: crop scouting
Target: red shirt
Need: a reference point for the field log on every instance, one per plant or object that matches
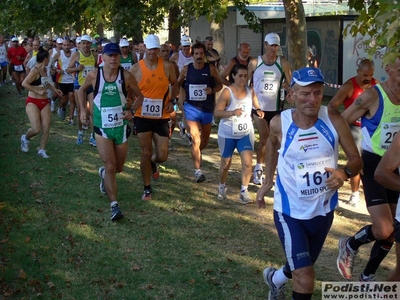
(14, 52)
(357, 90)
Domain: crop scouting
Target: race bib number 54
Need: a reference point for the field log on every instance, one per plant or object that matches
(111, 117)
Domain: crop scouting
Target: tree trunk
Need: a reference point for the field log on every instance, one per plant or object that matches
(217, 32)
(174, 33)
(297, 33)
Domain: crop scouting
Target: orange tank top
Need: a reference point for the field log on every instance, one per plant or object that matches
(154, 86)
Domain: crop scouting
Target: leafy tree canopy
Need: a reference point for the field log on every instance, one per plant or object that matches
(378, 19)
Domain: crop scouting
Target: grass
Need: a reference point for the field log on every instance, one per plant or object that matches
(57, 242)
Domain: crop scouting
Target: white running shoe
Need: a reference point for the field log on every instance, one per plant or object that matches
(199, 176)
(275, 293)
(258, 177)
(43, 153)
(346, 258)
(245, 198)
(24, 144)
(53, 106)
(221, 192)
(182, 130)
(354, 199)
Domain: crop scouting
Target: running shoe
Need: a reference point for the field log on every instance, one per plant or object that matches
(221, 192)
(79, 141)
(369, 278)
(71, 122)
(147, 195)
(189, 136)
(354, 199)
(92, 141)
(275, 293)
(24, 144)
(258, 177)
(182, 130)
(155, 173)
(43, 153)
(346, 258)
(102, 170)
(52, 106)
(116, 213)
(245, 198)
(85, 126)
(62, 114)
(199, 176)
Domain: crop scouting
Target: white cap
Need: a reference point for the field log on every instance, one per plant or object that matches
(14, 39)
(185, 41)
(152, 41)
(123, 43)
(78, 39)
(272, 39)
(60, 41)
(86, 38)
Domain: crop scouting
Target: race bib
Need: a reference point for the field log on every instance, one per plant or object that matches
(44, 81)
(269, 88)
(126, 66)
(111, 117)
(240, 126)
(197, 92)
(388, 132)
(152, 108)
(311, 176)
(86, 71)
(18, 68)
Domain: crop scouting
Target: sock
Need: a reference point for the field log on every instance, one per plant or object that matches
(196, 171)
(222, 184)
(243, 188)
(279, 278)
(378, 253)
(92, 134)
(80, 131)
(113, 203)
(356, 194)
(258, 167)
(286, 271)
(148, 187)
(362, 237)
(300, 296)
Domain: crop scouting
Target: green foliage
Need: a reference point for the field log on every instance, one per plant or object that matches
(144, 16)
(379, 21)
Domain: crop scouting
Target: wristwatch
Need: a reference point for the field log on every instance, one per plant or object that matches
(348, 172)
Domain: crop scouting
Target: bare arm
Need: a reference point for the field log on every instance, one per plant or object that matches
(132, 85)
(344, 92)
(182, 75)
(222, 104)
(384, 173)
(217, 79)
(287, 71)
(71, 66)
(273, 145)
(366, 103)
(225, 73)
(354, 162)
(90, 80)
(251, 67)
(172, 70)
(174, 57)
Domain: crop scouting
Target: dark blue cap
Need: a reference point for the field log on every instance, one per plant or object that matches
(111, 48)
